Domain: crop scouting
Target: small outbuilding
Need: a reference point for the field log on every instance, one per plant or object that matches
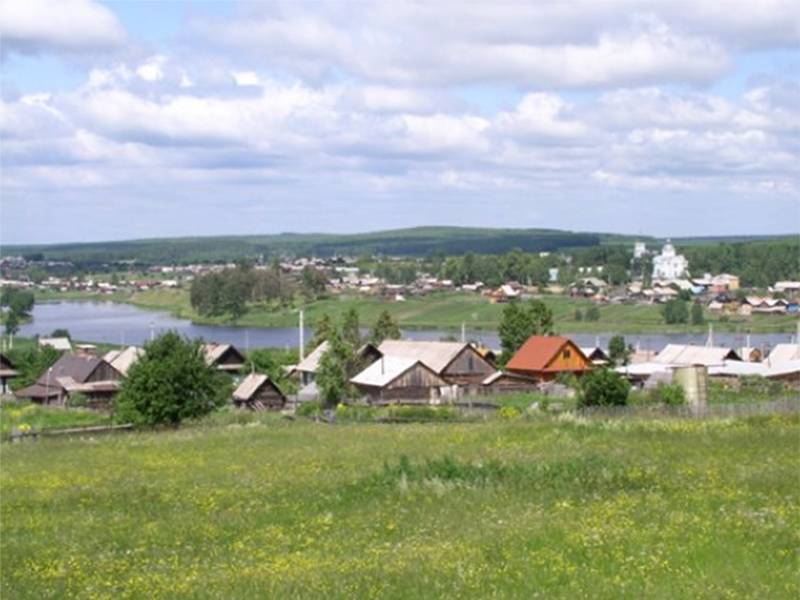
(225, 357)
(258, 392)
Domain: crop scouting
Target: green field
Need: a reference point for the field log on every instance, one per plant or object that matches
(447, 311)
(547, 508)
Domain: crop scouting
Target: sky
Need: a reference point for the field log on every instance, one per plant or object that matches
(132, 119)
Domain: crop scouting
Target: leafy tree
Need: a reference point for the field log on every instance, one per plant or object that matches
(31, 363)
(351, 327)
(61, 333)
(698, 316)
(386, 328)
(323, 330)
(271, 362)
(593, 313)
(333, 377)
(603, 387)
(12, 323)
(313, 282)
(17, 301)
(675, 312)
(615, 274)
(618, 351)
(170, 383)
(521, 322)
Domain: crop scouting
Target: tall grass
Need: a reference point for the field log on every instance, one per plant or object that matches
(553, 509)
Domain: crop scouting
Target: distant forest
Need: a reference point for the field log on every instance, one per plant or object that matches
(759, 261)
(414, 242)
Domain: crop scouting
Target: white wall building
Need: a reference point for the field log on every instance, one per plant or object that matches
(668, 265)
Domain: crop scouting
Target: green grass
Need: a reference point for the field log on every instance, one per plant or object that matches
(565, 508)
(445, 311)
(42, 418)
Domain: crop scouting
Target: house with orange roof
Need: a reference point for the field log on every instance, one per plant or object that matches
(546, 357)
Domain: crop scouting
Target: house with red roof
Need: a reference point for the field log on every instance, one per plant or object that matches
(546, 357)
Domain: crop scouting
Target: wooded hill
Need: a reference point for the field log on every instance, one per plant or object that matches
(414, 242)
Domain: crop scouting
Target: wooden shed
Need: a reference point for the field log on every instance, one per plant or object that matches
(258, 392)
(224, 357)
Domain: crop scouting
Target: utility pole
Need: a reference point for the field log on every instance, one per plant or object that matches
(302, 335)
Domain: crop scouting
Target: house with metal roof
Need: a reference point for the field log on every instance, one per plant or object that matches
(784, 353)
(395, 378)
(546, 357)
(307, 368)
(70, 374)
(683, 355)
(455, 362)
(123, 360)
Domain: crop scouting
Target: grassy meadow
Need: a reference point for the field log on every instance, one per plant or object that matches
(542, 508)
(447, 311)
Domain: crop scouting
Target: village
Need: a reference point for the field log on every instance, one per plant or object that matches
(667, 278)
(396, 371)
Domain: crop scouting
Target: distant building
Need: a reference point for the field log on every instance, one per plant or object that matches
(639, 250)
(669, 265)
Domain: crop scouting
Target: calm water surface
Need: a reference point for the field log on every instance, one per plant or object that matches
(123, 324)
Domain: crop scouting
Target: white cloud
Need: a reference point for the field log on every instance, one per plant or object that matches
(542, 116)
(541, 45)
(36, 26)
(153, 69)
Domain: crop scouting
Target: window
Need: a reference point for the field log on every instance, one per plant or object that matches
(567, 353)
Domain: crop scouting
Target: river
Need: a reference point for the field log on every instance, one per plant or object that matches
(123, 324)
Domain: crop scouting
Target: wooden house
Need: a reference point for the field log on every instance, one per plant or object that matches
(545, 358)
(258, 392)
(88, 375)
(399, 378)
(307, 368)
(7, 373)
(123, 360)
(224, 357)
(455, 362)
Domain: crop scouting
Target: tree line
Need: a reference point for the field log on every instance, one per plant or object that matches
(229, 292)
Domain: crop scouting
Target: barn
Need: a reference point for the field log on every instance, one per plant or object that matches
(258, 392)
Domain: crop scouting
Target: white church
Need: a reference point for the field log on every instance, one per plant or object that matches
(669, 265)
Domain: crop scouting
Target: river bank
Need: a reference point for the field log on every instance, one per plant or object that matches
(447, 312)
(122, 324)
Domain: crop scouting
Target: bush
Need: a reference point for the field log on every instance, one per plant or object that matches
(509, 413)
(603, 387)
(171, 383)
(354, 412)
(309, 409)
(669, 394)
(78, 400)
(423, 413)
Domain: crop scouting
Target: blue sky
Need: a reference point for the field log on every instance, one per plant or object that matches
(141, 118)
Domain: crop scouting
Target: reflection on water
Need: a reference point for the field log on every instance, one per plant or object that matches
(123, 324)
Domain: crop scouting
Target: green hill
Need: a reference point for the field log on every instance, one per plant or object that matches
(419, 241)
